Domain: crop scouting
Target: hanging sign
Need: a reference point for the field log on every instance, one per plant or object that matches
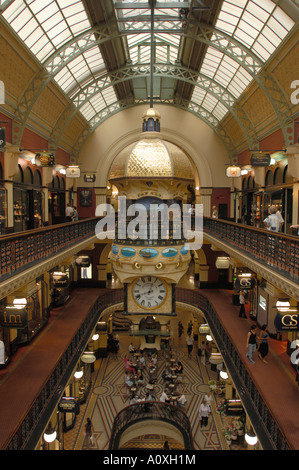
(2, 139)
(233, 171)
(60, 279)
(13, 317)
(73, 172)
(67, 405)
(260, 159)
(287, 321)
(83, 261)
(44, 159)
(243, 282)
(89, 178)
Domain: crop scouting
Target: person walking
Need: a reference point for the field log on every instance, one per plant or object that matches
(242, 302)
(251, 343)
(180, 329)
(272, 222)
(75, 214)
(204, 413)
(189, 342)
(263, 347)
(68, 212)
(88, 440)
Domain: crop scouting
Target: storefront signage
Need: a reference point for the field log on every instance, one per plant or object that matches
(260, 159)
(45, 159)
(73, 172)
(83, 261)
(2, 138)
(67, 405)
(287, 321)
(13, 317)
(89, 178)
(60, 279)
(243, 282)
(233, 171)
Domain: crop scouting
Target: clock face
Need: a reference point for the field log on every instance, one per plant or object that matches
(149, 292)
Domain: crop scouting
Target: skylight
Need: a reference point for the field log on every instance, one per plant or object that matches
(46, 25)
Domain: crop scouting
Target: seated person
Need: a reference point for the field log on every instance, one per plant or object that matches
(179, 368)
(128, 381)
(166, 375)
(140, 378)
(134, 399)
(164, 398)
(154, 359)
(129, 366)
(132, 349)
(142, 362)
(182, 400)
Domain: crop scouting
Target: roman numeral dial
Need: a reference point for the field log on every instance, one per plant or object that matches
(149, 292)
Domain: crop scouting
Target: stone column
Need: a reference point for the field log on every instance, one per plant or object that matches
(11, 157)
(205, 200)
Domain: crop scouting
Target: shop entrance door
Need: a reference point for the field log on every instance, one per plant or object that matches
(56, 208)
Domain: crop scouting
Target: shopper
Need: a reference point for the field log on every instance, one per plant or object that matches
(208, 398)
(68, 213)
(75, 214)
(204, 412)
(251, 343)
(189, 342)
(203, 353)
(88, 440)
(242, 302)
(263, 347)
(272, 222)
(180, 329)
(280, 218)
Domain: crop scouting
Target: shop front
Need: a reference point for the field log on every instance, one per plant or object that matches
(56, 201)
(60, 279)
(28, 201)
(22, 316)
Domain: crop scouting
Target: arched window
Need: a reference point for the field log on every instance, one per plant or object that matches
(278, 176)
(269, 178)
(28, 176)
(37, 178)
(251, 182)
(286, 177)
(56, 182)
(18, 177)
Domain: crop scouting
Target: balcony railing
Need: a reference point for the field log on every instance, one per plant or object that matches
(154, 410)
(268, 431)
(278, 251)
(22, 250)
(266, 426)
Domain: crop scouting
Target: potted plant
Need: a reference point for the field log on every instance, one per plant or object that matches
(227, 434)
(212, 385)
(239, 426)
(220, 407)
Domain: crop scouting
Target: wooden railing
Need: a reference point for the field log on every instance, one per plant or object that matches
(21, 250)
(278, 251)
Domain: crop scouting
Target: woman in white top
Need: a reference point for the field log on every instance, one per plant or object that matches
(204, 412)
(208, 398)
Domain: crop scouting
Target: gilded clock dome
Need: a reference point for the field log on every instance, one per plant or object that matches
(151, 156)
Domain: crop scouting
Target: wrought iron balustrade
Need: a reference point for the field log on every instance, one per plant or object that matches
(153, 410)
(278, 251)
(35, 420)
(269, 433)
(21, 250)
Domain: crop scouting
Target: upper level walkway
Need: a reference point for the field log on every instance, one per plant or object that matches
(27, 379)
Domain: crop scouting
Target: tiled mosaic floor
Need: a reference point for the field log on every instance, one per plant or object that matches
(109, 395)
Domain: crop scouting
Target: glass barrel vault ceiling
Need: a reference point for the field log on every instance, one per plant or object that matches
(45, 26)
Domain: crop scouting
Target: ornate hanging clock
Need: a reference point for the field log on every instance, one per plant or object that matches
(149, 292)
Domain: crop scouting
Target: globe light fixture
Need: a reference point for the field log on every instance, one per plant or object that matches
(50, 434)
